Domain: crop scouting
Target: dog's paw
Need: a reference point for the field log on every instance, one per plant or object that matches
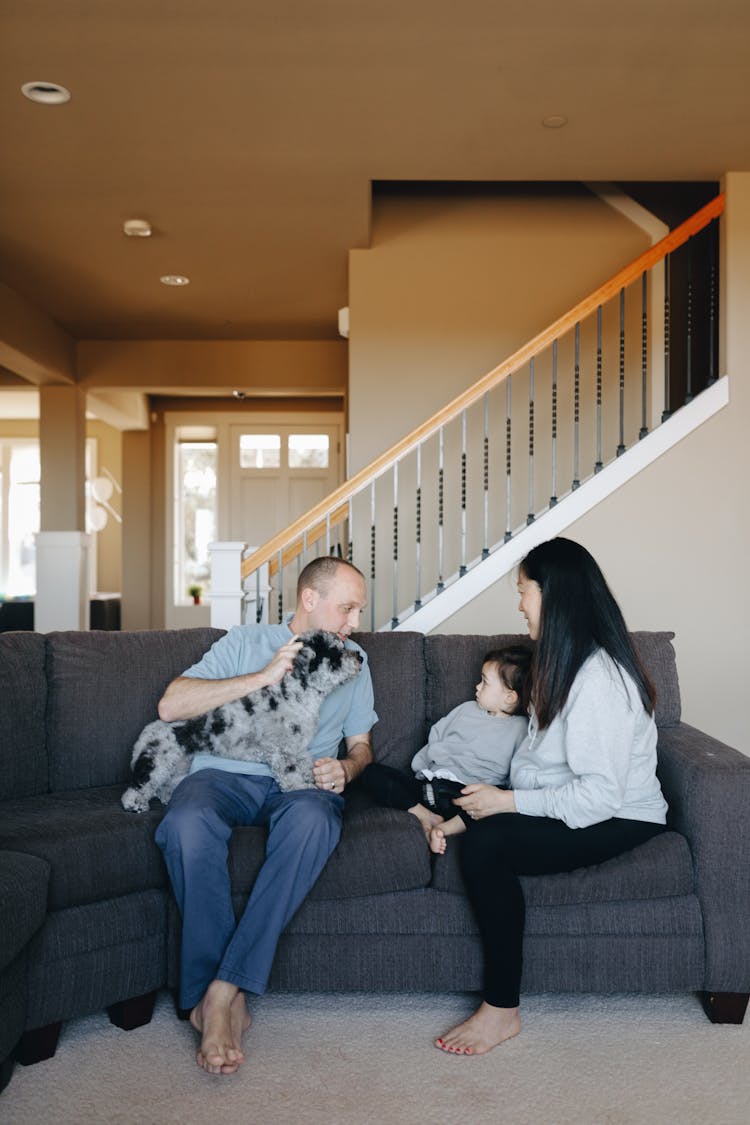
(134, 801)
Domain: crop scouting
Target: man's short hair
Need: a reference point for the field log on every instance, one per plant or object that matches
(320, 573)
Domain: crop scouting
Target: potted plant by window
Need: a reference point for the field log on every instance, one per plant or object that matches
(195, 593)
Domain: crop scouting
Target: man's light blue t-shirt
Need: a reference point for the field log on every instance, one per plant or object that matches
(349, 709)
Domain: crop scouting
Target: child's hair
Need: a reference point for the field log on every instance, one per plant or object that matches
(513, 665)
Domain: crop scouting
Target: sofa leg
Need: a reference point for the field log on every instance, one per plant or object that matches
(6, 1069)
(129, 1014)
(37, 1045)
(725, 1007)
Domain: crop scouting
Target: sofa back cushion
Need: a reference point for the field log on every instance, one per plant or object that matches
(454, 667)
(23, 700)
(454, 662)
(102, 690)
(397, 667)
(658, 656)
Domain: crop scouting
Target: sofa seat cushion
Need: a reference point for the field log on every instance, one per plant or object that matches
(95, 850)
(660, 868)
(23, 901)
(380, 850)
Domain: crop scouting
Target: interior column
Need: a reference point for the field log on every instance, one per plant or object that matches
(62, 545)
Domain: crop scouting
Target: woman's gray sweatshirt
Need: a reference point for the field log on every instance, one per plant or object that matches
(596, 759)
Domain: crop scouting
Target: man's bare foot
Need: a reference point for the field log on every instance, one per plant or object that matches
(426, 818)
(221, 1018)
(487, 1028)
(437, 840)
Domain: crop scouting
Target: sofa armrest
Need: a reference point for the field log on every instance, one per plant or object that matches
(707, 785)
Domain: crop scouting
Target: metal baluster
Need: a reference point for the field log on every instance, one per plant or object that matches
(441, 493)
(486, 476)
(530, 516)
(621, 443)
(666, 411)
(328, 534)
(577, 411)
(258, 604)
(281, 587)
(394, 617)
(644, 356)
(372, 557)
(304, 547)
(418, 520)
(508, 532)
(462, 567)
(350, 543)
(689, 357)
(598, 466)
(553, 497)
(712, 233)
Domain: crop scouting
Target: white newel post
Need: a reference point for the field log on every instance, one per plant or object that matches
(62, 581)
(227, 595)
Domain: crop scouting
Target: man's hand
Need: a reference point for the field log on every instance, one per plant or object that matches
(280, 663)
(334, 774)
(329, 773)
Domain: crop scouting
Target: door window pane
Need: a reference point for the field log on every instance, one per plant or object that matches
(260, 451)
(308, 451)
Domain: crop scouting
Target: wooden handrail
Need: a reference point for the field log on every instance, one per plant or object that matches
(565, 323)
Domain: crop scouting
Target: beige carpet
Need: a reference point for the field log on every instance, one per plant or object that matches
(366, 1059)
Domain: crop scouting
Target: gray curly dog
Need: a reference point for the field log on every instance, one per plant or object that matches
(274, 725)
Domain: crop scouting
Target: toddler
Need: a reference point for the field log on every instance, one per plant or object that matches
(473, 743)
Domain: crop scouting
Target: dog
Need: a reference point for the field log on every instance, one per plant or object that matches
(274, 725)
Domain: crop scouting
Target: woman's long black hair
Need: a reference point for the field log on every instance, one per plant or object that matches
(579, 615)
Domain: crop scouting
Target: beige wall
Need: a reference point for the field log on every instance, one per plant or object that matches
(674, 543)
(451, 287)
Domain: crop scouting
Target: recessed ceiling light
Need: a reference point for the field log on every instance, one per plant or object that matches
(174, 279)
(47, 93)
(137, 228)
(554, 121)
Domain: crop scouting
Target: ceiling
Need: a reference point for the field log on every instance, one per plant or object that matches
(249, 135)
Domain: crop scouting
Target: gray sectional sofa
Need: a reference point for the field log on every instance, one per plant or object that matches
(89, 921)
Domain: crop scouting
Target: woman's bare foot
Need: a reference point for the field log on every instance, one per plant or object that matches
(487, 1028)
(221, 1018)
(427, 819)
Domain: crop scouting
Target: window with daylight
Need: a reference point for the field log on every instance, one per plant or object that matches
(260, 451)
(195, 510)
(308, 451)
(19, 515)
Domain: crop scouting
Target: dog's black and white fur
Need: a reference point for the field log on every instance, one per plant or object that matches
(274, 725)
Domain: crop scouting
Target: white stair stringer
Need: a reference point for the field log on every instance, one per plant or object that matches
(459, 591)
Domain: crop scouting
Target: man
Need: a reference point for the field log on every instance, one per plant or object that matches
(221, 960)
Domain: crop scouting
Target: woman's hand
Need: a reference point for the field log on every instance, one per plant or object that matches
(485, 800)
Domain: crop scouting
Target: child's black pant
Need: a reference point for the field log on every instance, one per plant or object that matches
(398, 790)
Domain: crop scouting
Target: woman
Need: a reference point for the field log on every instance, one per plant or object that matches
(584, 786)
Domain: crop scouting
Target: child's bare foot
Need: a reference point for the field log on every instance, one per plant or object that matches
(487, 1028)
(222, 1019)
(437, 841)
(427, 819)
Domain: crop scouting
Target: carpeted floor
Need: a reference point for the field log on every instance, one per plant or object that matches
(366, 1059)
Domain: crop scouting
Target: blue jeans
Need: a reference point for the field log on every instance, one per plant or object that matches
(304, 827)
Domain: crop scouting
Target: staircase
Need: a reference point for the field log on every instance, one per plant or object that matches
(516, 458)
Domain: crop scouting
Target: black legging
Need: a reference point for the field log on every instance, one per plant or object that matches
(497, 849)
